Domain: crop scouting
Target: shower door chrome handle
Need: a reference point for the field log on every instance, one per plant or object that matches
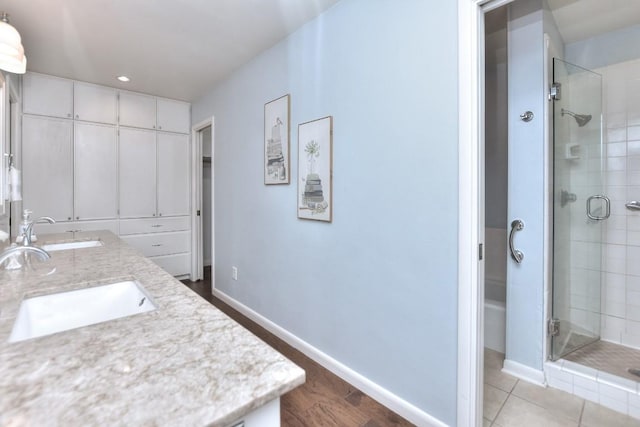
(607, 207)
(517, 255)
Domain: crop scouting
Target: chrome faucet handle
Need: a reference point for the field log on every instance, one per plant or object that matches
(26, 238)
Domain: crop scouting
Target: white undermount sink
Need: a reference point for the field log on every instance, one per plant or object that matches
(48, 314)
(52, 247)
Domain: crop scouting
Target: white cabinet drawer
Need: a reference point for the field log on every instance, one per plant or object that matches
(70, 227)
(176, 265)
(160, 243)
(154, 225)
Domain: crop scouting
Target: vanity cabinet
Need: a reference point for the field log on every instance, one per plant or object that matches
(95, 171)
(47, 158)
(174, 116)
(137, 110)
(93, 103)
(47, 96)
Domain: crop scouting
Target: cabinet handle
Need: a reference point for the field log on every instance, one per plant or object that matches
(69, 218)
(77, 217)
(157, 245)
(159, 214)
(77, 116)
(69, 115)
(156, 225)
(160, 127)
(154, 126)
(154, 214)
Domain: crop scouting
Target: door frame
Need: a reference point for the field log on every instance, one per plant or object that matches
(471, 208)
(197, 242)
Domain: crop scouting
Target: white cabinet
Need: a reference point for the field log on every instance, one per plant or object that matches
(95, 171)
(96, 157)
(154, 225)
(77, 226)
(137, 171)
(174, 116)
(137, 110)
(176, 265)
(47, 95)
(94, 103)
(174, 176)
(156, 244)
(166, 241)
(143, 182)
(47, 166)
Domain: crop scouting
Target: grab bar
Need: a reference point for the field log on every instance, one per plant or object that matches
(517, 255)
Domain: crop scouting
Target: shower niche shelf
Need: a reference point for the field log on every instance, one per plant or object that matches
(572, 151)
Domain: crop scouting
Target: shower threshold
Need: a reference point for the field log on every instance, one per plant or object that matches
(608, 357)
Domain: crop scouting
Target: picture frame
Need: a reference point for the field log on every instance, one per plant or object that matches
(277, 131)
(315, 169)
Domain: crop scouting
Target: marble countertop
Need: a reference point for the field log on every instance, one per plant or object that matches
(185, 363)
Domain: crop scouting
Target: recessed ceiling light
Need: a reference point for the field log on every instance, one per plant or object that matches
(124, 78)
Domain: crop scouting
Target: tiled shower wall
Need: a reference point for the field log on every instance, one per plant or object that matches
(621, 252)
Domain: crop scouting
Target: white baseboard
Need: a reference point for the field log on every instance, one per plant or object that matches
(375, 391)
(524, 372)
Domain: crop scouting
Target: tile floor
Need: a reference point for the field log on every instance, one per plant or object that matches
(512, 402)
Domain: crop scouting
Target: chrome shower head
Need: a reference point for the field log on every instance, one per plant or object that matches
(581, 119)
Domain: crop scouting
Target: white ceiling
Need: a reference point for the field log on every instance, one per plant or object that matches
(582, 19)
(177, 49)
(180, 49)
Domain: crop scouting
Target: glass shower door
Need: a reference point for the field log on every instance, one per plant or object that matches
(579, 208)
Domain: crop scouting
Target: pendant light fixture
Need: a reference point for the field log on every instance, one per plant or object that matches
(12, 57)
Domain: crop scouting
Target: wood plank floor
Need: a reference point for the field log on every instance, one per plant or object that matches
(325, 399)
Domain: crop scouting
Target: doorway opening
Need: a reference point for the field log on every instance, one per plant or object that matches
(586, 110)
(203, 201)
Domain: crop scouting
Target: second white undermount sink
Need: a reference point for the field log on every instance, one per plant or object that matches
(48, 314)
(52, 247)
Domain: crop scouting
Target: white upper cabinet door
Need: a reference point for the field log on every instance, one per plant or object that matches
(47, 167)
(174, 116)
(137, 110)
(174, 182)
(96, 172)
(47, 96)
(137, 173)
(95, 103)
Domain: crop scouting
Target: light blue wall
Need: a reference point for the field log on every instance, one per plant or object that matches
(606, 49)
(377, 288)
(528, 24)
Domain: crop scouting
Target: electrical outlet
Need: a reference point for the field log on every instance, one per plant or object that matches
(234, 273)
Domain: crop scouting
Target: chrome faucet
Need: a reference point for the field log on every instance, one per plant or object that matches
(14, 250)
(26, 236)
